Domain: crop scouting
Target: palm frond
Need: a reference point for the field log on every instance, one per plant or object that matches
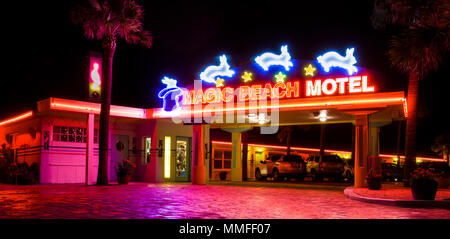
(108, 19)
(419, 50)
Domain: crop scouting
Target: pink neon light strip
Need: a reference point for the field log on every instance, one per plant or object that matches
(322, 103)
(137, 113)
(317, 150)
(17, 118)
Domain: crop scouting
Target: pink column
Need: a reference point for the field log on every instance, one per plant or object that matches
(361, 150)
(91, 172)
(198, 161)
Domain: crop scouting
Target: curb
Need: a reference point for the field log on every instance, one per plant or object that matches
(277, 185)
(445, 204)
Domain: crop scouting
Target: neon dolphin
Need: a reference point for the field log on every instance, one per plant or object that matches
(333, 59)
(268, 59)
(210, 73)
(171, 92)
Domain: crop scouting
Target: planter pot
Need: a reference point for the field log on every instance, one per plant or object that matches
(223, 176)
(424, 189)
(123, 179)
(374, 183)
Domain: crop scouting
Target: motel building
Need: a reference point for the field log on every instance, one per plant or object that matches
(173, 143)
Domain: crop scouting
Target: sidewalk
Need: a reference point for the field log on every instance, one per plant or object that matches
(396, 195)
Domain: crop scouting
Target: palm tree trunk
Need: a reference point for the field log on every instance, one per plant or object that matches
(353, 143)
(411, 125)
(244, 138)
(322, 141)
(289, 142)
(399, 138)
(108, 51)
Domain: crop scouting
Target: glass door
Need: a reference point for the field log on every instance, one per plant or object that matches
(183, 160)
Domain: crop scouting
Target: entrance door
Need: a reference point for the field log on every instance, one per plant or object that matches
(183, 160)
(119, 152)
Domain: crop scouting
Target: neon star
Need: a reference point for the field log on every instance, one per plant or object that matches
(247, 77)
(219, 82)
(309, 70)
(280, 77)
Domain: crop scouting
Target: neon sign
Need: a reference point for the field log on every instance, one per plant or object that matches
(247, 77)
(210, 73)
(170, 95)
(309, 70)
(95, 77)
(269, 59)
(280, 77)
(343, 85)
(279, 90)
(333, 59)
(263, 85)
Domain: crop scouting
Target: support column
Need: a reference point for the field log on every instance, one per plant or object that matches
(375, 148)
(91, 172)
(198, 161)
(236, 154)
(244, 137)
(236, 158)
(361, 150)
(208, 150)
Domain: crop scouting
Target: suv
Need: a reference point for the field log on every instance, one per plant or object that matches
(280, 166)
(331, 166)
(391, 172)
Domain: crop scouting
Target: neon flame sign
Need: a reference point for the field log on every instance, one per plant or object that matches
(269, 59)
(95, 77)
(333, 59)
(210, 73)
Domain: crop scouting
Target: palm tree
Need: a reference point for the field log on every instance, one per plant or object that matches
(442, 146)
(417, 50)
(108, 20)
(285, 134)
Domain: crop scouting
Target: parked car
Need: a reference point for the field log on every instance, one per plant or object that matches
(391, 172)
(332, 166)
(280, 166)
(348, 170)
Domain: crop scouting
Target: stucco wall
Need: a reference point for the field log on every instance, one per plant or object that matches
(26, 135)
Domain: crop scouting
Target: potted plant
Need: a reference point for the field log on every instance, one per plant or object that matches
(223, 175)
(423, 184)
(374, 179)
(124, 171)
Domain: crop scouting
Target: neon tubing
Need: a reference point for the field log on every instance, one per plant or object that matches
(297, 105)
(318, 150)
(17, 118)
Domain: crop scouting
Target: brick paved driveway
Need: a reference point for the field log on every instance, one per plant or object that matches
(149, 200)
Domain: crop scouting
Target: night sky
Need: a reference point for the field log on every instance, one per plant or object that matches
(46, 54)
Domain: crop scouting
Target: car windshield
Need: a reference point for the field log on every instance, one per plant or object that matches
(292, 158)
(331, 158)
(274, 158)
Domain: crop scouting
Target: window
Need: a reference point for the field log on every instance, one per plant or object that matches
(222, 159)
(147, 148)
(293, 158)
(72, 134)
